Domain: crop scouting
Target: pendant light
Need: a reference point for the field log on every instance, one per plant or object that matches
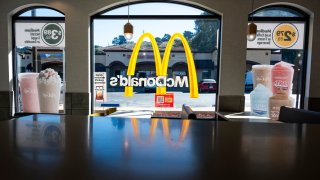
(252, 28)
(128, 28)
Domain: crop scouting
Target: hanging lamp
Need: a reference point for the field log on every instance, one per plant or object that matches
(252, 27)
(128, 28)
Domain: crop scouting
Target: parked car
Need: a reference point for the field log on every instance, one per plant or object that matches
(208, 85)
(248, 82)
(151, 89)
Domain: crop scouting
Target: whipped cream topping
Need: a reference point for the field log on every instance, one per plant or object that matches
(49, 76)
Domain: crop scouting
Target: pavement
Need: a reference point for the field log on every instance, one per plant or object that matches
(141, 105)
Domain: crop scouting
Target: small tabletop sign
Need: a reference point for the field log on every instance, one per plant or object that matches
(164, 100)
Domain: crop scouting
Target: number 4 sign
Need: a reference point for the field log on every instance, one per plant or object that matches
(164, 100)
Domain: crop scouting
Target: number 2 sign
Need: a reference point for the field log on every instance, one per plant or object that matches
(285, 35)
(278, 36)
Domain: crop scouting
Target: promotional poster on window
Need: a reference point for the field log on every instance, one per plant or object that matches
(40, 34)
(278, 36)
(100, 86)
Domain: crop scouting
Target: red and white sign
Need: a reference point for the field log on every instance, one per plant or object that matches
(164, 100)
(100, 86)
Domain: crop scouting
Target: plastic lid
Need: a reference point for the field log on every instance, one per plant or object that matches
(283, 65)
(262, 66)
(27, 75)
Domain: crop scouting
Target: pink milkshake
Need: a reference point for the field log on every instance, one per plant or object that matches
(29, 92)
(49, 85)
(281, 78)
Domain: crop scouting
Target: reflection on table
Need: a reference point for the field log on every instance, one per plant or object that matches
(244, 117)
(82, 147)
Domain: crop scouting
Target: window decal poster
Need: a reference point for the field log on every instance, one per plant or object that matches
(278, 36)
(100, 86)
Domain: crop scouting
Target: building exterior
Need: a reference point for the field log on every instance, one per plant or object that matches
(116, 59)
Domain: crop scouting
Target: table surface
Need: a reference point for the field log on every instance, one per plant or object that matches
(81, 147)
(245, 117)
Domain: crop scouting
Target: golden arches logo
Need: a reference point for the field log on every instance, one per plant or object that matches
(162, 65)
(166, 130)
(153, 127)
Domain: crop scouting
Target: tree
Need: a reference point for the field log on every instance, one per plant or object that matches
(177, 43)
(158, 40)
(290, 55)
(99, 51)
(188, 34)
(122, 39)
(119, 40)
(205, 37)
(166, 38)
(115, 41)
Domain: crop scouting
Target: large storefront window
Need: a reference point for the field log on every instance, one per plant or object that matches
(39, 60)
(179, 27)
(276, 60)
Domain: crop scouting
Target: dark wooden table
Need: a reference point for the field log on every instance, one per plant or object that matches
(81, 147)
(244, 117)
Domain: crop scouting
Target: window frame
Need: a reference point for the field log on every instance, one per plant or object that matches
(17, 18)
(211, 16)
(306, 20)
(293, 9)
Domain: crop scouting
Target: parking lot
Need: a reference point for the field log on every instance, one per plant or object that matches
(145, 101)
(206, 101)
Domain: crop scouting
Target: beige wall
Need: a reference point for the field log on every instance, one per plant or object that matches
(233, 53)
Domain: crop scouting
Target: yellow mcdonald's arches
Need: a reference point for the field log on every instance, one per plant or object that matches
(153, 127)
(162, 66)
(166, 130)
(183, 132)
(193, 81)
(134, 56)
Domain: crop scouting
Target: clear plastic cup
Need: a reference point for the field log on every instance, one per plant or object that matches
(262, 75)
(29, 92)
(49, 95)
(281, 78)
(259, 99)
(275, 102)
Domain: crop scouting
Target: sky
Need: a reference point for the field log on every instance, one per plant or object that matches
(106, 30)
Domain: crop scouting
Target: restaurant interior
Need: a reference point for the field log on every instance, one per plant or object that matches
(156, 89)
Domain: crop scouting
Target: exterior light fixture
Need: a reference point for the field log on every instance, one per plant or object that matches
(252, 28)
(128, 28)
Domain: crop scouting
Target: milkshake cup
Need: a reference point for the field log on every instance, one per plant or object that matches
(275, 102)
(49, 85)
(262, 75)
(259, 100)
(281, 78)
(29, 92)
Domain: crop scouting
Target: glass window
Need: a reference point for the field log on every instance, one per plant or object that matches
(202, 35)
(41, 12)
(39, 63)
(276, 62)
(149, 9)
(277, 12)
